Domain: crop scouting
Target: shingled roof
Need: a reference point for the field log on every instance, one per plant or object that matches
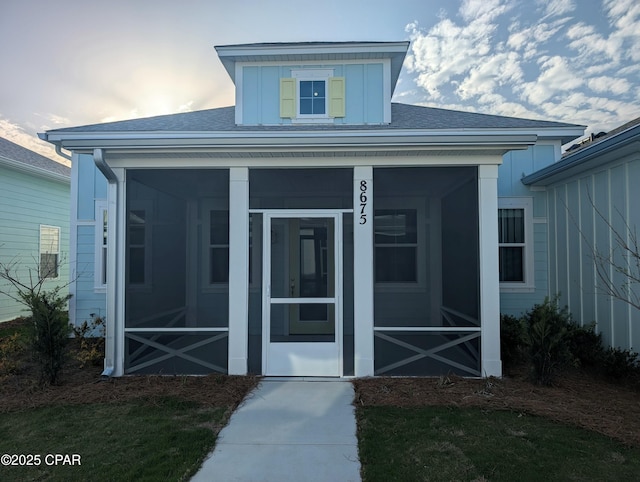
(11, 151)
(403, 116)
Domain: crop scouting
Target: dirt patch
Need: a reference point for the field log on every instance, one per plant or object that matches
(576, 398)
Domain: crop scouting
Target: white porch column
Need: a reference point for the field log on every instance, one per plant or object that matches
(489, 272)
(363, 270)
(238, 270)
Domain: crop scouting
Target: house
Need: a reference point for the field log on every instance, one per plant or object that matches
(34, 221)
(314, 228)
(592, 202)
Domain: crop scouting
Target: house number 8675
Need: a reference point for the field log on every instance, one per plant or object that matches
(363, 202)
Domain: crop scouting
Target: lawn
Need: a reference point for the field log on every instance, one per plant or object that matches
(139, 428)
(443, 443)
(158, 439)
(161, 427)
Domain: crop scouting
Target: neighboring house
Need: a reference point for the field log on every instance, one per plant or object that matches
(592, 197)
(313, 229)
(34, 221)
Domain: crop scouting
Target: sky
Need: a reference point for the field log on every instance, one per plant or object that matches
(76, 62)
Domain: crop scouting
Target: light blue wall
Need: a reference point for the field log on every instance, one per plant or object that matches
(26, 202)
(515, 166)
(585, 212)
(91, 187)
(364, 91)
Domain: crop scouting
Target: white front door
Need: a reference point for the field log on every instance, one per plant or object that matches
(302, 290)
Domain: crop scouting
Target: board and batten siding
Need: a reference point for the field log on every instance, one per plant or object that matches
(515, 166)
(28, 201)
(259, 92)
(89, 188)
(585, 212)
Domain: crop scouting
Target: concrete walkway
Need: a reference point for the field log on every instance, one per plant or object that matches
(288, 430)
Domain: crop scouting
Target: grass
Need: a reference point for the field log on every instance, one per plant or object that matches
(143, 440)
(440, 443)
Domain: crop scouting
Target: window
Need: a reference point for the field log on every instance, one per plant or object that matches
(139, 239)
(215, 245)
(396, 245)
(312, 95)
(515, 243)
(218, 247)
(49, 251)
(100, 272)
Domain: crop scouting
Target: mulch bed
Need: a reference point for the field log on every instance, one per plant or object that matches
(576, 399)
(21, 389)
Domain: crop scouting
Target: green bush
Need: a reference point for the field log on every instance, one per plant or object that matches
(620, 364)
(585, 345)
(511, 341)
(546, 340)
(49, 330)
(90, 339)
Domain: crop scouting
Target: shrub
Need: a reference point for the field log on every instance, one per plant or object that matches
(91, 347)
(545, 338)
(585, 345)
(620, 364)
(511, 341)
(10, 348)
(48, 331)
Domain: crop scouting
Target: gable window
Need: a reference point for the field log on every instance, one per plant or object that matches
(49, 252)
(312, 95)
(396, 245)
(515, 241)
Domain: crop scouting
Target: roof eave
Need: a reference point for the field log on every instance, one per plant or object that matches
(330, 51)
(76, 141)
(628, 140)
(33, 170)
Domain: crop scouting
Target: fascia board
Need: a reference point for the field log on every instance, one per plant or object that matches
(398, 139)
(306, 49)
(596, 154)
(33, 170)
(231, 54)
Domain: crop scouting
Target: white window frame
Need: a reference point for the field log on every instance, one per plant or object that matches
(41, 252)
(528, 284)
(100, 249)
(312, 75)
(407, 203)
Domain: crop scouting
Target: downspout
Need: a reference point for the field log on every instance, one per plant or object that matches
(110, 347)
(101, 164)
(62, 154)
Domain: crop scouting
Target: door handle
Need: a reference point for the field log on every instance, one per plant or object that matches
(293, 286)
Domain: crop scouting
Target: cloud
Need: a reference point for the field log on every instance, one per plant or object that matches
(483, 11)
(556, 78)
(16, 134)
(554, 8)
(609, 84)
(548, 60)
